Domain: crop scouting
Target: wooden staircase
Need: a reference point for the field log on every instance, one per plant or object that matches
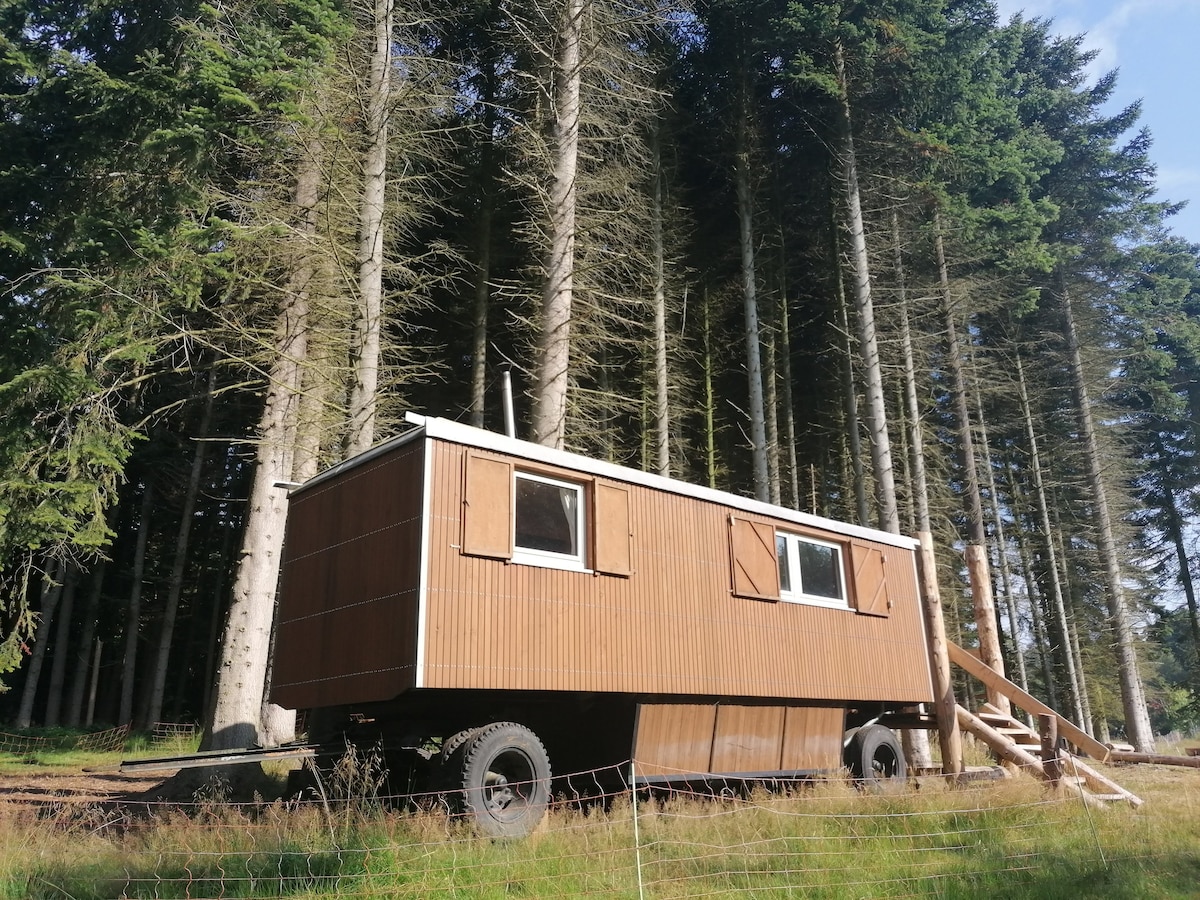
(1021, 745)
(1013, 741)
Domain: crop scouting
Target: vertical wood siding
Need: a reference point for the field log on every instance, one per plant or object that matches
(348, 595)
(673, 626)
(678, 739)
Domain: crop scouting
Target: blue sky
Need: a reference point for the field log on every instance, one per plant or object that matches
(1155, 45)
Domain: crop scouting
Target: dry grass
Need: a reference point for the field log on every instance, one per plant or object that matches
(995, 839)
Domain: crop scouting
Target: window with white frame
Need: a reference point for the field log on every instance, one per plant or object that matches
(548, 522)
(810, 571)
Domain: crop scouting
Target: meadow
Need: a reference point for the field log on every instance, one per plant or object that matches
(996, 838)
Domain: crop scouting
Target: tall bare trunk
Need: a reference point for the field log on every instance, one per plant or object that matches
(789, 407)
(552, 376)
(868, 346)
(241, 680)
(62, 649)
(710, 435)
(483, 258)
(1025, 554)
(977, 566)
(52, 586)
(916, 438)
(183, 536)
(662, 399)
(87, 634)
(771, 401)
(850, 427)
(754, 370)
(1057, 598)
(1174, 527)
(365, 336)
(1137, 718)
(1006, 580)
(134, 612)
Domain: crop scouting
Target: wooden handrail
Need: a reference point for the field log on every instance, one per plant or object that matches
(1031, 704)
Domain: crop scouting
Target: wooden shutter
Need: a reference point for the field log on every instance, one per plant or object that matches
(754, 561)
(613, 531)
(870, 586)
(487, 512)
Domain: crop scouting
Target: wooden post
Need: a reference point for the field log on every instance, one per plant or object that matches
(985, 620)
(945, 707)
(1050, 762)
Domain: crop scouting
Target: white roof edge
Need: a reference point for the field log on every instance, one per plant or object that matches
(458, 433)
(468, 435)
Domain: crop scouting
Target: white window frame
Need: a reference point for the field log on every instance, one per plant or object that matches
(549, 559)
(795, 595)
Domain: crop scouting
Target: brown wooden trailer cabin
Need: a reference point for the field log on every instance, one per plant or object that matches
(498, 605)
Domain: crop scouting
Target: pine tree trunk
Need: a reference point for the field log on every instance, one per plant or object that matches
(552, 375)
(1174, 526)
(365, 336)
(241, 678)
(710, 433)
(1006, 581)
(479, 316)
(1041, 637)
(770, 380)
(62, 649)
(51, 593)
(87, 635)
(662, 398)
(980, 575)
(789, 408)
(175, 586)
(483, 262)
(754, 370)
(1137, 717)
(134, 613)
(1057, 597)
(916, 438)
(853, 436)
(876, 408)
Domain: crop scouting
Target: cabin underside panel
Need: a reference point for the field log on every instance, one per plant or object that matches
(676, 740)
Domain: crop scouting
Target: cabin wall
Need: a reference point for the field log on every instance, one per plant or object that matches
(347, 621)
(671, 626)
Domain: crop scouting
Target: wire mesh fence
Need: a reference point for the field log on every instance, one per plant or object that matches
(109, 740)
(728, 839)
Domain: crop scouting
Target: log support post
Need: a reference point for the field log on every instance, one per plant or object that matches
(1051, 764)
(945, 707)
(980, 576)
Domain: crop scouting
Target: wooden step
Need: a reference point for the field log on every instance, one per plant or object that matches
(906, 720)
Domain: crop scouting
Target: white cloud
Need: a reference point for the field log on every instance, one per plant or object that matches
(1176, 180)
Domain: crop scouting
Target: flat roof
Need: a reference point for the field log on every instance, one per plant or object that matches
(469, 436)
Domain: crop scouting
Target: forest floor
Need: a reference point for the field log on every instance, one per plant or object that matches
(73, 786)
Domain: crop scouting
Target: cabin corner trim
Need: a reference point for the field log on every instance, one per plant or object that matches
(423, 571)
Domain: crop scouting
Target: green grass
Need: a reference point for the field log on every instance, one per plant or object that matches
(1004, 839)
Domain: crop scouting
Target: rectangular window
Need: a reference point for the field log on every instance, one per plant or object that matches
(810, 571)
(548, 522)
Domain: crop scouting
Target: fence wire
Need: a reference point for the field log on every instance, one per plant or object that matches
(797, 839)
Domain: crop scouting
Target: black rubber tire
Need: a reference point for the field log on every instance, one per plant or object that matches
(875, 756)
(505, 780)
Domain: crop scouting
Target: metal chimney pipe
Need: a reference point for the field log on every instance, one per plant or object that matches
(510, 424)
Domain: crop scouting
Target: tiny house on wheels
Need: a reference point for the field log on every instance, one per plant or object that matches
(499, 608)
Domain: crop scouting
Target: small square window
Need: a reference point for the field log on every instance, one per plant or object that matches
(810, 571)
(548, 522)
